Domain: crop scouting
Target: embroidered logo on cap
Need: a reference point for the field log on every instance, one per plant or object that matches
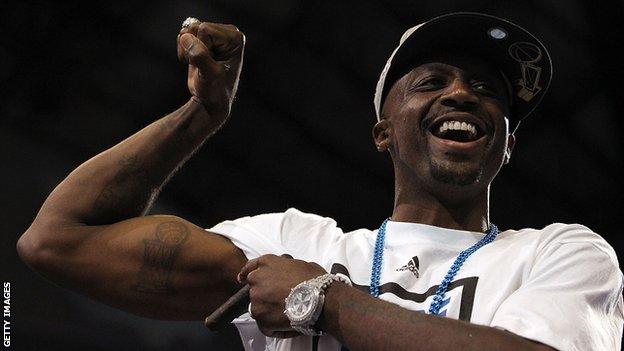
(411, 266)
(527, 55)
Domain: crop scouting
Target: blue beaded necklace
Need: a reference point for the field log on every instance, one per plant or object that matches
(459, 261)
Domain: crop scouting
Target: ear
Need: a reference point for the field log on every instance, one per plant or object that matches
(511, 142)
(381, 135)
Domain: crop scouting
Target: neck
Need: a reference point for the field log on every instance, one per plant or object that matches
(469, 213)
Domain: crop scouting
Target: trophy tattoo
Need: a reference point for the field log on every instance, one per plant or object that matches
(158, 258)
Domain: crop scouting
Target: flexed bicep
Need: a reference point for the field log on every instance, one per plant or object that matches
(157, 266)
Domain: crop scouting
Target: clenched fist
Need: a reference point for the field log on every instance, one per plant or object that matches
(270, 279)
(214, 54)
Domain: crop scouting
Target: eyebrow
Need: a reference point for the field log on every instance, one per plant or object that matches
(432, 66)
(446, 68)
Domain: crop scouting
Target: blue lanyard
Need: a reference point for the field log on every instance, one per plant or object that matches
(448, 278)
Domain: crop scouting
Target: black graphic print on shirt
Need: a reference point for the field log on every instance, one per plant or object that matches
(468, 285)
(411, 266)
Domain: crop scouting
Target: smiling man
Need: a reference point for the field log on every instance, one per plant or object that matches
(436, 275)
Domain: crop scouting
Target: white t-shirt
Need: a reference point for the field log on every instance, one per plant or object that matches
(560, 285)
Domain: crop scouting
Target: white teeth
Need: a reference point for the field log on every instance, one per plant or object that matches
(456, 125)
(444, 127)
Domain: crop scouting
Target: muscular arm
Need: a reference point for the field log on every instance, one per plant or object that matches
(362, 322)
(89, 235)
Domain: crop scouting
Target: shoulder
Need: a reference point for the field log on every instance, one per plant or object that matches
(570, 286)
(294, 217)
(298, 225)
(562, 234)
(573, 255)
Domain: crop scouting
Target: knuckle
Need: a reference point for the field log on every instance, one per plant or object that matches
(262, 260)
(251, 277)
(237, 38)
(250, 264)
(204, 26)
(205, 30)
(300, 262)
(231, 27)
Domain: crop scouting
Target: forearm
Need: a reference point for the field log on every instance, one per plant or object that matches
(123, 181)
(89, 235)
(361, 322)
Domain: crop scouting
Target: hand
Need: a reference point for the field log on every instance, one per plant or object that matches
(271, 277)
(214, 53)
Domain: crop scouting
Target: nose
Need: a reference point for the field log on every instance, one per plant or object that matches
(460, 95)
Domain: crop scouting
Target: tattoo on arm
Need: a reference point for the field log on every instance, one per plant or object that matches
(159, 255)
(111, 199)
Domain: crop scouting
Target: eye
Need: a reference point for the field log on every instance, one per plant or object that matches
(429, 83)
(485, 87)
(481, 85)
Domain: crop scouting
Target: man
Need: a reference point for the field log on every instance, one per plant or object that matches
(447, 102)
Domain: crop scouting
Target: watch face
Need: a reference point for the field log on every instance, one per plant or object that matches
(301, 302)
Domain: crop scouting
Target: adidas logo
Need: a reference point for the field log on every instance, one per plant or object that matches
(411, 266)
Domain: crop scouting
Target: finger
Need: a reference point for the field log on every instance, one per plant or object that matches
(250, 266)
(191, 29)
(198, 55)
(252, 277)
(226, 40)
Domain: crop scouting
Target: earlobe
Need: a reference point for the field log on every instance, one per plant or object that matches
(381, 135)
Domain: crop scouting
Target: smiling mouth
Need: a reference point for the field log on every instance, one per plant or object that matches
(458, 131)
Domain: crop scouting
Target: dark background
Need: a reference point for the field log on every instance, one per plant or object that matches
(78, 78)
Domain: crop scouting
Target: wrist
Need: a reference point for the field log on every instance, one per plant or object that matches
(329, 315)
(215, 120)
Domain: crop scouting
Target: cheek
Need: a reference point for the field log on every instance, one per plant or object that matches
(411, 138)
(413, 110)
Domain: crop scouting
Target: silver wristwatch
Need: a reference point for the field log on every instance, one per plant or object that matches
(305, 302)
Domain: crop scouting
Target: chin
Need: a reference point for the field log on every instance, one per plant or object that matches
(456, 173)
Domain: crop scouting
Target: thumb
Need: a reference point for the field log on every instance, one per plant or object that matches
(187, 41)
(197, 54)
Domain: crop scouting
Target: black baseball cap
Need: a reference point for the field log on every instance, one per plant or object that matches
(522, 58)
